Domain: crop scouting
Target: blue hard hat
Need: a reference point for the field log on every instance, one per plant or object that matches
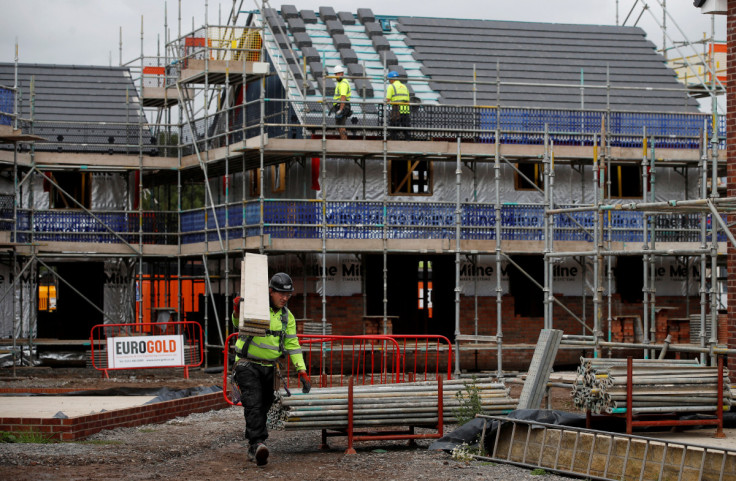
(393, 74)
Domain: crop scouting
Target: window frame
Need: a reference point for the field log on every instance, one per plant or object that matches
(411, 167)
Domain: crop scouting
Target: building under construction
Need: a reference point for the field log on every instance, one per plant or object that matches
(551, 176)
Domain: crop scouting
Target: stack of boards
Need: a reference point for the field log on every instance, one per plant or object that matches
(255, 317)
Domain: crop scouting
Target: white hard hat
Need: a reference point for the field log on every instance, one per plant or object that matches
(338, 69)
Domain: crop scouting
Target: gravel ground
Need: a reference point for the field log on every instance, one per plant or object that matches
(210, 446)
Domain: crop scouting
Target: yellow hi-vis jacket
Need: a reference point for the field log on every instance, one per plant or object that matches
(342, 88)
(268, 348)
(398, 93)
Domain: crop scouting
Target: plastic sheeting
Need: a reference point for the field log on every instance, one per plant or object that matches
(345, 182)
(15, 323)
(40, 198)
(109, 191)
(118, 291)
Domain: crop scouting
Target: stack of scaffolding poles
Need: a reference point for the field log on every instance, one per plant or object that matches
(656, 386)
(390, 404)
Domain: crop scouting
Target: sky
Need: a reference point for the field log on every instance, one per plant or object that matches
(89, 32)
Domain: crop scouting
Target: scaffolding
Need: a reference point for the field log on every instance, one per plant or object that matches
(217, 135)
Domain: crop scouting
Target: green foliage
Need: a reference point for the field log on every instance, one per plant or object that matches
(464, 453)
(538, 472)
(32, 437)
(168, 143)
(470, 403)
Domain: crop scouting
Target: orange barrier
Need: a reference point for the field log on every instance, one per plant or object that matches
(146, 346)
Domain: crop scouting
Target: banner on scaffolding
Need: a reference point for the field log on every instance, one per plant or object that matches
(150, 351)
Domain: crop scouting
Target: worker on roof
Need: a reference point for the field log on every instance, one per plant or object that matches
(256, 359)
(341, 100)
(397, 95)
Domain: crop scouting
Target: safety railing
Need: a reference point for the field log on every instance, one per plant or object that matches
(303, 219)
(305, 118)
(146, 346)
(333, 360)
(151, 227)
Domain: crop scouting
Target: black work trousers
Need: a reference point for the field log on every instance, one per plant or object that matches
(256, 387)
(400, 120)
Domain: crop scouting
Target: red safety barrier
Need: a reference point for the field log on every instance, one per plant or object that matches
(428, 350)
(409, 434)
(331, 360)
(366, 359)
(146, 346)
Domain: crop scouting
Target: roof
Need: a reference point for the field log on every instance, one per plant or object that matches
(537, 53)
(539, 64)
(68, 98)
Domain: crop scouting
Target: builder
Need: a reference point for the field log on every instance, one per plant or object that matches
(256, 359)
(397, 94)
(341, 101)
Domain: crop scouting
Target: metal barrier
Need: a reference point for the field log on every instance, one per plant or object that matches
(146, 346)
(332, 360)
(426, 346)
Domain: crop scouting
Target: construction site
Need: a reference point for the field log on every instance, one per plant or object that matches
(559, 199)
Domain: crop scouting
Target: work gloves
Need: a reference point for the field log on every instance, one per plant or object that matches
(304, 379)
(236, 307)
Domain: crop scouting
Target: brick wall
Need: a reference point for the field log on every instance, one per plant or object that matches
(82, 426)
(731, 169)
(345, 314)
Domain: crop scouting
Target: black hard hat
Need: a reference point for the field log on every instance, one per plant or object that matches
(281, 282)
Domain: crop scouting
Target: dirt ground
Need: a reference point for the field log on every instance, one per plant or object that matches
(210, 446)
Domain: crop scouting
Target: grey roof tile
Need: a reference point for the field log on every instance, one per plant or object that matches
(82, 94)
(341, 41)
(327, 13)
(334, 27)
(545, 54)
(308, 16)
(366, 15)
(289, 11)
(346, 18)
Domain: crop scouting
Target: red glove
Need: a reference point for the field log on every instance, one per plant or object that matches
(236, 307)
(304, 379)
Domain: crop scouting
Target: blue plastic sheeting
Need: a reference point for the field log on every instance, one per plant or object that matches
(6, 106)
(303, 219)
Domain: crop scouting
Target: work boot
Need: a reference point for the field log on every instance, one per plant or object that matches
(252, 452)
(261, 454)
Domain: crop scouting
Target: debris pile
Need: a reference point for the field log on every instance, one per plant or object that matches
(658, 386)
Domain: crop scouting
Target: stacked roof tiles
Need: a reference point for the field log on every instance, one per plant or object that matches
(539, 64)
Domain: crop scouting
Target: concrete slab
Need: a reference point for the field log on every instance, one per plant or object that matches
(704, 437)
(72, 406)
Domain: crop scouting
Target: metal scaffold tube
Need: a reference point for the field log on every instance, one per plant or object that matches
(385, 405)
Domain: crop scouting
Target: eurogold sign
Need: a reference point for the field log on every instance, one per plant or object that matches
(149, 351)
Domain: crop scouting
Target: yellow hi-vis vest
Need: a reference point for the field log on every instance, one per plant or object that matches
(342, 88)
(398, 93)
(268, 348)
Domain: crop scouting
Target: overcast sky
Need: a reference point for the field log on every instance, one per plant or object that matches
(87, 32)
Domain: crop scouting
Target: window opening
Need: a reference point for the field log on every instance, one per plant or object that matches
(410, 177)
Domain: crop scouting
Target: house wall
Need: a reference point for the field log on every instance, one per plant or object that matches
(345, 181)
(345, 314)
(731, 169)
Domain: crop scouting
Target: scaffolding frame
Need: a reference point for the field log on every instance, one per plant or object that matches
(196, 95)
